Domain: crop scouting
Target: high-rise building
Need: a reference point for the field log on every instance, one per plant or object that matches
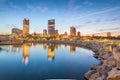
(72, 31)
(66, 34)
(26, 26)
(108, 34)
(51, 27)
(78, 34)
(45, 32)
(56, 32)
(16, 32)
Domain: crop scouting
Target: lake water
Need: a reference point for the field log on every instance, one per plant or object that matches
(44, 61)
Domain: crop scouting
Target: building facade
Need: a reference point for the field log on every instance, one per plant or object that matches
(78, 34)
(108, 34)
(26, 26)
(15, 32)
(56, 32)
(51, 27)
(72, 31)
(45, 32)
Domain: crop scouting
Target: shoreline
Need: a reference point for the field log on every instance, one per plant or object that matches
(102, 71)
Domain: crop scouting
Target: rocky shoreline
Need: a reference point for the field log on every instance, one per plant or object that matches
(109, 67)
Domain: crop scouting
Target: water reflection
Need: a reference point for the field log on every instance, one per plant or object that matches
(26, 52)
(46, 61)
(51, 52)
(72, 49)
(45, 46)
(51, 49)
(16, 48)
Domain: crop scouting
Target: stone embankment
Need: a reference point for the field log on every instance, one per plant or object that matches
(109, 67)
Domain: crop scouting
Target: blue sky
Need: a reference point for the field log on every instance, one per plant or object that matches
(88, 16)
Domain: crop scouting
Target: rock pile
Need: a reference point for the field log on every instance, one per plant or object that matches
(109, 63)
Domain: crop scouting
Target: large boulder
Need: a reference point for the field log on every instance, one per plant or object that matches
(111, 61)
(106, 55)
(89, 73)
(94, 76)
(114, 74)
(116, 55)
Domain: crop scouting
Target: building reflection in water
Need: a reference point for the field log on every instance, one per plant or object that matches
(26, 52)
(72, 49)
(45, 46)
(51, 51)
(16, 48)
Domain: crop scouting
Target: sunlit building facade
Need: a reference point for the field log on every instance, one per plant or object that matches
(78, 34)
(72, 31)
(15, 32)
(56, 32)
(108, 34)
(26, 26)
(51, 27)
(45, 32)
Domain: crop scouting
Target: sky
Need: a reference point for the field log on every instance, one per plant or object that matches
(88, 16)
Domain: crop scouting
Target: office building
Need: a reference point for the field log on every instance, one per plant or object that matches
(72, 31)
(16, 32)
(78, 34)
(51, 27)
(108, 34)
(56, 32)
(26, 26)
(45, 32)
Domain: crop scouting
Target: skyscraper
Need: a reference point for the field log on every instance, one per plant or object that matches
(15, 31)
(78, 34)
(56, 32)
(108, 34)
(72, 31)
(26, 26)
(51, 27)
(44, 32)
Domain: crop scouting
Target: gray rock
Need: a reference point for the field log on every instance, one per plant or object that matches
(114, 74)
(89, 73)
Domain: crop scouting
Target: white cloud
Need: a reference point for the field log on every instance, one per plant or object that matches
(42, 9)
(96, 13)
(87, 3)
(13, 6)
(37, 8)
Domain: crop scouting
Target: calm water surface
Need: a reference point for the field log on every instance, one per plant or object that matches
(44, 61)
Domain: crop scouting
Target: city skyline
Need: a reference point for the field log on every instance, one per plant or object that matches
(87, 16)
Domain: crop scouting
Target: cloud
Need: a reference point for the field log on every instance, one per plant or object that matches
(87, 3)
(42, 9)
(96, 13)
(98, 20)
(31, 8)
(70, 5)
(37, 8)
(13, 6)
(88, 22)
(110, 29)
